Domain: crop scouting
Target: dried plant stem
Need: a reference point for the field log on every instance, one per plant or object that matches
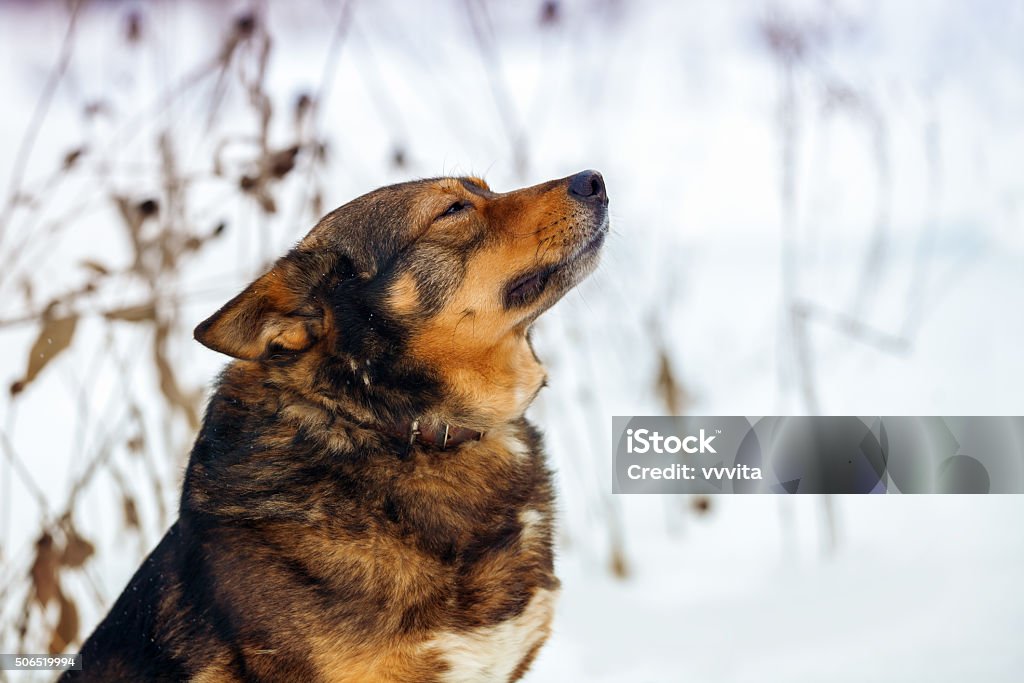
(42, 107)
(499, 89)
(797, 333)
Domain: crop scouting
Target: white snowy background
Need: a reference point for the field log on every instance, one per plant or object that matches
(817, 207)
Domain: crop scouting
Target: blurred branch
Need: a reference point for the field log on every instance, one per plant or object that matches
(42, 107)
(802, 353)
(851, 326)
(26, 477)
(477, 12)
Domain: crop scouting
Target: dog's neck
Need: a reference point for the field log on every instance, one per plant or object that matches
(468, 389)
(487, 387)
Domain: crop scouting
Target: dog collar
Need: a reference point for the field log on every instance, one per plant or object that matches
(440, 434)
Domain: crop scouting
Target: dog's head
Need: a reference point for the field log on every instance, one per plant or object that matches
(418, 297)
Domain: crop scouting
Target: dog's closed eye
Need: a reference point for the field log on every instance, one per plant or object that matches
(456, 207)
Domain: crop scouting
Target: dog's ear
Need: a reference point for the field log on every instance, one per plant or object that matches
(273, 315)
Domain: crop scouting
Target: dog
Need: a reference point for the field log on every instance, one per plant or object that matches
(365, 500)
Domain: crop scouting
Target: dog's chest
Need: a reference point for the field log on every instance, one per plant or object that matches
(491, 654)
(496, 653)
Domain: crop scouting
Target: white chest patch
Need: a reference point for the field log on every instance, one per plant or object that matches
(490, 654)
(531, 520)
(510, 443)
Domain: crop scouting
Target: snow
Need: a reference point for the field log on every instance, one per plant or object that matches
(922, 588)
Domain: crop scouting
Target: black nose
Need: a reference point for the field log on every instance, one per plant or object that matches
(588, 186)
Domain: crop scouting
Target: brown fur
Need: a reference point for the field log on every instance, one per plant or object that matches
(314, 544)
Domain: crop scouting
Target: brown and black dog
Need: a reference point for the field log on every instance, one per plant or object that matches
(365, 500)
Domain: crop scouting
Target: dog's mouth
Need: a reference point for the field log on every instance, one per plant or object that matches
(525, 289)
(567, 273)
(593, 244)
